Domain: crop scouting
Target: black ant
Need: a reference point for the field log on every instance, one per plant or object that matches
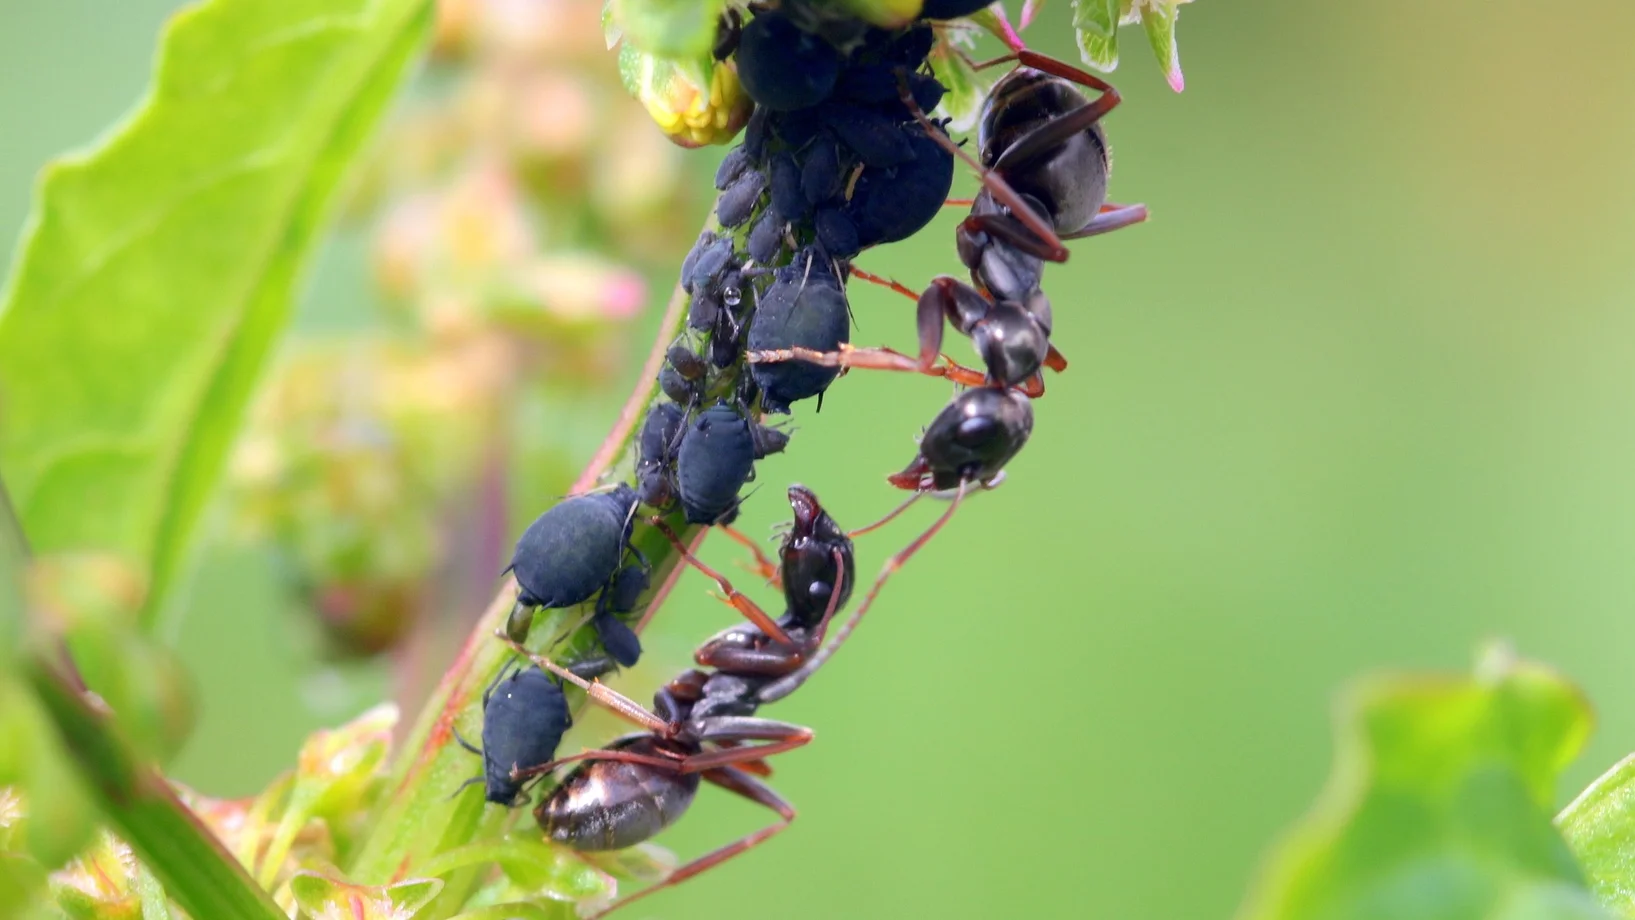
(703, 725)
(1044, 170)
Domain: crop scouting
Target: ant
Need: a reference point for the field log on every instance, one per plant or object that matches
(1044, 168)
(702, 726)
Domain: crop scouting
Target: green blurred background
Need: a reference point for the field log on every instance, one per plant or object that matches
(1358, 396)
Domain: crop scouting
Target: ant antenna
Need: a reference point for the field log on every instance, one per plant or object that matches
(904, 506)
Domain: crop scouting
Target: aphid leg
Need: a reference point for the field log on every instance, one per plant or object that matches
(1052, 248)
(879, 359)
(958, 202)
(1112, 217)
(466, 744)
(735, 781)
(782, 687)
(892, 515)
(735, 598)
(763, 566)
(613, 700)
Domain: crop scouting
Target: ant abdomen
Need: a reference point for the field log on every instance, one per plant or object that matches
(1069, 177)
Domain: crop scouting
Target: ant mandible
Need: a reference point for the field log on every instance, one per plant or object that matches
(1044, 169)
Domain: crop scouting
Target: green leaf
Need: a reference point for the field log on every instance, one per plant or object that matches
(669, 28)
(13, 568)
(157, 269)
(1095, 27)
(967, 88)
(1438, 806)
(1159, 21)
(1600, 828)
(190, 862)
(324, 896)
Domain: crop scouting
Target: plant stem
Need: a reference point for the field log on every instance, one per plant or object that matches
(417, 818)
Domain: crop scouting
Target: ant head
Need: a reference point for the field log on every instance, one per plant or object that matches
(810, 549)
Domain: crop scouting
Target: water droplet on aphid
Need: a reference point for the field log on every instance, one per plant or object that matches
(732, 297)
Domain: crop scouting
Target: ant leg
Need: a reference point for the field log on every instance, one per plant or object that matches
(958, 202)
(879, 359)
(619, 704)
(995, 183)
(740, 783)
(781, 688)
(872, 278)
(1052, 133)
(646, 760)
(764, 566)
(774, 661)
(781, 737)
(888, 518)
(735, 598)
(1112, 217)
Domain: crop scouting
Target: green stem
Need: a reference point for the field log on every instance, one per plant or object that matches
(194, 867)
(417, 819)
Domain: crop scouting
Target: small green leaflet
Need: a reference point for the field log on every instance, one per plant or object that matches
(1096, 23)
(677, 29)
(1095, 26)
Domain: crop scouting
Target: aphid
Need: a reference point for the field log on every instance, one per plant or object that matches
(805, 307)
(766, 238)
(524, 717)
(891, 204)
(616, 636)
(738, 201)
(788, 200)
(683, 374)
(568, 553)
(717, 457)
(656, 447)
(783, 67)
(1044, 170)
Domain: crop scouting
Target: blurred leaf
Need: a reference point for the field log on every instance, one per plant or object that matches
(967, 88)
(669, 28)
(334, 771)
(49, 815)
(91, 600)
(1095, 27)
(1159, 21)
(887, 14)
(191, 863)
(13, 563)
(1599, 826)
(322, 896)
(1438, 805)
(157, 269)
(155, 906)
(22, 882)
